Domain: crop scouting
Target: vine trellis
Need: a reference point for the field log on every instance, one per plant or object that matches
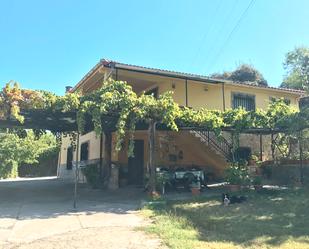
(116, 107)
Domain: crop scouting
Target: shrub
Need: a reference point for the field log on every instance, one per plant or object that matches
(92, 175)
(237, 174)
(8, 169)
(257, 180)
(161, 181)
(17, 149)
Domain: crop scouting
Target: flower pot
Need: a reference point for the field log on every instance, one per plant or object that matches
(233, 188)
(154, 195)
(195, 191)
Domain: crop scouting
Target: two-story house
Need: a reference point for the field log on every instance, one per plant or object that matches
(174, 149)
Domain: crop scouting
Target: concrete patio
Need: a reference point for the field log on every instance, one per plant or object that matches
(38, 213)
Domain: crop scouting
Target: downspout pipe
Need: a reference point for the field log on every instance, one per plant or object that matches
(223, 96)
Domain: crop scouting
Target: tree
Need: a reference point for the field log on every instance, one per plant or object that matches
(16, 149)
(244, 73)
(296, 65)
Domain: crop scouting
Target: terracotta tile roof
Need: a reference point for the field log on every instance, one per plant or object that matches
(176, 74)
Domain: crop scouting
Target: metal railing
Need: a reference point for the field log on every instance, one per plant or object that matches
(219, 144)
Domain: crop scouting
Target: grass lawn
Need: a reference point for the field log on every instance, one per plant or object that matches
(272, 219)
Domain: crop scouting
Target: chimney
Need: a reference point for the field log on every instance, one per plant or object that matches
(68, 89)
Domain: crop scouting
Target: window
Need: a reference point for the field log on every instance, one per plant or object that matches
(153, 92)
(84, 151)
(245, 101)
(69, 158)
(287, 101)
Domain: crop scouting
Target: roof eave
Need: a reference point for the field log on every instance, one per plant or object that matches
(276, 89)
(112, 64)
(159, 72)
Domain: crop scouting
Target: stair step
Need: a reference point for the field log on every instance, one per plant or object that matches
(205, 137)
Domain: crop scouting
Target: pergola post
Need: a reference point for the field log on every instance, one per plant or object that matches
(301, 166)
(272, 145)
(233, 147)
(261, 147)
(107, 154)
(152, 169)
(76, 171)
(101, 156)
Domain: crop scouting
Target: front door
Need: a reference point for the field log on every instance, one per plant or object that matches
(136, 164)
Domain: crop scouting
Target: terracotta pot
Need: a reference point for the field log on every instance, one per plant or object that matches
(233, 188)
(154, 195)
(195, 191)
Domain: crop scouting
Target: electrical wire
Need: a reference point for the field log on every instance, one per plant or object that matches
(206, 34)
(236, 26)
(223, 27)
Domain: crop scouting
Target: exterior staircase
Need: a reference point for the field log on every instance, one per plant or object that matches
(219, 145)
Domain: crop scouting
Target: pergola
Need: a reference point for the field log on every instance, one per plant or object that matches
(63, 122)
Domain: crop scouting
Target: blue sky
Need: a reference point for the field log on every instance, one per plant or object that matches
(50, 44)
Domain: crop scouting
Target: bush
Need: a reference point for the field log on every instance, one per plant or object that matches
(17, 149)
(161, 181)
(92, 175)
(237, 174)
(46, 165)
(8, 169)
(257, 180)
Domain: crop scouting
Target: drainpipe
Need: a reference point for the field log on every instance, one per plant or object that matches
(223, 96)
(116, 74)
(186, 86)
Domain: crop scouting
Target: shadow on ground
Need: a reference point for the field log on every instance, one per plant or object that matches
(52, 197)
(271, 217)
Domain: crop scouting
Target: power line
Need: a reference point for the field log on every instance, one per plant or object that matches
(232, 32)
(206, 34)
(227, 18)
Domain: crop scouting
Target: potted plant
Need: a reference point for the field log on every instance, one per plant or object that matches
(162, 179)
(253, 159)
(91, 172)
(196, 187)
(237, 176)
(257, 183)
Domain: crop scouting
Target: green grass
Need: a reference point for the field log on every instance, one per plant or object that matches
(276, 219)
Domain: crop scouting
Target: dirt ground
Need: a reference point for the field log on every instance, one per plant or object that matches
(38, 213)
